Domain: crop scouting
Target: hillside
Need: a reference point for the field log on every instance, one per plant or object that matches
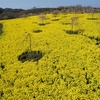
(69, 66)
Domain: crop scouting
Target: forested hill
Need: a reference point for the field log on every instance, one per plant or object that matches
(9, 13)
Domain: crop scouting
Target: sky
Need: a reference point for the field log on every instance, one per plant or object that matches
(28, 4)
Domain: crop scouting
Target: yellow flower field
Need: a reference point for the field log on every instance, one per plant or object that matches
(70, 64)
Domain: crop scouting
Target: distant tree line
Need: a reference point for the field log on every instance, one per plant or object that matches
(9, 13)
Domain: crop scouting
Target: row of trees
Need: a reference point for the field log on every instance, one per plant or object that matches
(9, 13)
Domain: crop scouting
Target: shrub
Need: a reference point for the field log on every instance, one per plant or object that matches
(1, 27)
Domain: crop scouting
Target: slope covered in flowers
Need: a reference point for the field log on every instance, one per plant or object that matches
(69, 68)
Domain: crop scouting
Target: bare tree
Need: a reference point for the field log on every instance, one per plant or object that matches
(78, 9)
(92, 13)
(42, 18)
(64, 12)
(28, 39)
(55, 13)
(74, 23)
